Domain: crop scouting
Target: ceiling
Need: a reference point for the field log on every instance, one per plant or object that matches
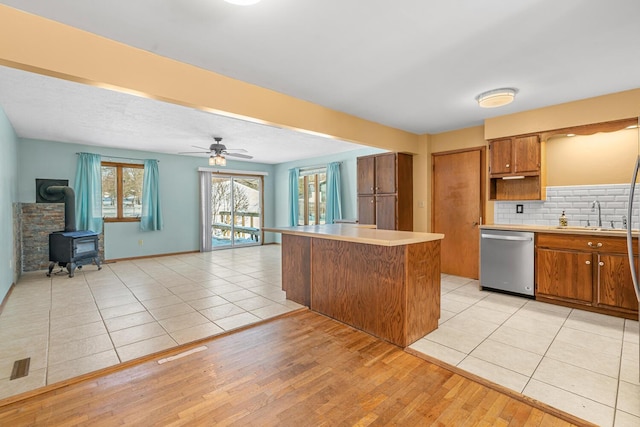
(414, 65)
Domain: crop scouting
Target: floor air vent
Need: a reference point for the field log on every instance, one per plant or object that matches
(20, 368)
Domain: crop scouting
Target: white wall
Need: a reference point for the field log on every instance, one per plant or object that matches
(348, 175)
(8, 191)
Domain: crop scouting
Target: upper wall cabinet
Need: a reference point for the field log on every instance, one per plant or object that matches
(385, 191)
(516, 171)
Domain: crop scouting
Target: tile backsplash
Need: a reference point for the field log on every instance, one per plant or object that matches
(576, 201)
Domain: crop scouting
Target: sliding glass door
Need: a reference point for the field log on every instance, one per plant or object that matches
(236, 211)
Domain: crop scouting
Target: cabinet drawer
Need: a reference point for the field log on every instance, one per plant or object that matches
(580, 242)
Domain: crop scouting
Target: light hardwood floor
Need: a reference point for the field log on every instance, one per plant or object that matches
(302, 369)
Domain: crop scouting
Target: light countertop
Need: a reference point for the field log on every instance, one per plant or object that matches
(599, 231)
(358, 234)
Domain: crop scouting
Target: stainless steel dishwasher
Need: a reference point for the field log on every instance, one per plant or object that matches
(507, 261)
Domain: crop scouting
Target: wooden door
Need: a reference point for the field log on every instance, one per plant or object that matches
(615, 286)
(500, 156)
(457, 208)
(386, 212)
(366, 177)
(565, 274)
(386, 173)
(526, 154)
(366, 209)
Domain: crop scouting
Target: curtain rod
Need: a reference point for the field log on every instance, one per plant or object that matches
(125, 158)
(317, 166)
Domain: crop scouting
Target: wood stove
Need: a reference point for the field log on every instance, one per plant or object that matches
(69, 248)
(73, 249)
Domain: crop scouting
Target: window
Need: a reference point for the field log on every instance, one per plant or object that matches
(121, 191)
(312, 196)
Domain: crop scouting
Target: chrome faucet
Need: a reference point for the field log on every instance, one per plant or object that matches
(595, 204)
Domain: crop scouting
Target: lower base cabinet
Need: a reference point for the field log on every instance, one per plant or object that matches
(588, 272)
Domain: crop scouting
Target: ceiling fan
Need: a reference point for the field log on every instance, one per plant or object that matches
(218, 152)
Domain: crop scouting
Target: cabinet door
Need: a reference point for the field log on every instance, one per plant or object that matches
(366, 175)
(526, 154)
(386, 212)
(565, 274)
(500, 156)
(615, 286)
(366, 210)
(386, 173)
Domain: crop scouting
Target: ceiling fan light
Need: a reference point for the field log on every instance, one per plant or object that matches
(496, 98)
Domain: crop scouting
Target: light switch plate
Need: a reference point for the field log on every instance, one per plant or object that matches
(519, 208)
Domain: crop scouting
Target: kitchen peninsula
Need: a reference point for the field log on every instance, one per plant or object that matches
(384, 282)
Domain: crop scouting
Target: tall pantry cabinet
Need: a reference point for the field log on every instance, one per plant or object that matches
(385, 191)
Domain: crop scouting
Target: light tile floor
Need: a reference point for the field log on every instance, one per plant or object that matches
(580, 362)
(71, 326)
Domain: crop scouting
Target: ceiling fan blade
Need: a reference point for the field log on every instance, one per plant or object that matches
(194, 152)
(237, 150)
(202, 148)
(242, 156)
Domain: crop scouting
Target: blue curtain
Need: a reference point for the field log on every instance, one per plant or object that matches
(334, 207)
(151, 217)
(294, 174)
(88, 189)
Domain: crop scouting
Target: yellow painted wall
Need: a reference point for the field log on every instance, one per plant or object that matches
(615, 106)
(602, 158)
(422, 185)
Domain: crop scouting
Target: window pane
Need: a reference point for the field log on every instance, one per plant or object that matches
(322, 197)
(132, 192)
(301, 204)
(109, 192)
(311, 200)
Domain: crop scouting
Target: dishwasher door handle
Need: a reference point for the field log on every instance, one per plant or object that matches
(503, 237)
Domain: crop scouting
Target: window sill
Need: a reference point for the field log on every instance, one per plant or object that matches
(136, 219)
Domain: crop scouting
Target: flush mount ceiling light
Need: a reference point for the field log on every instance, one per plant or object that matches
(242, 2)
(217, 160)
(496, 97)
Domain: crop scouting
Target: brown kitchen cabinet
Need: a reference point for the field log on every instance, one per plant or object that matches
(385, 191)
(588, 272)
(516, 170)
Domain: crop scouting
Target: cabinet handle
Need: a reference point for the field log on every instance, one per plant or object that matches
(597, 245)
(601, 263)
(507, 165)
(372, 189)
(588, 262)
(371, 201)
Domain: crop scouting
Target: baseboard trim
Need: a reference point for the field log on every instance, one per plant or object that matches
(111, 261)
(6, 297)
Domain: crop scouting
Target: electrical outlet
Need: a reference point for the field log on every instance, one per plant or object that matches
(140, 242)
(519, 208)
(421, 204)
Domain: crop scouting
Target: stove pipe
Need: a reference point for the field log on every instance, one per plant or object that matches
(69, 205)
